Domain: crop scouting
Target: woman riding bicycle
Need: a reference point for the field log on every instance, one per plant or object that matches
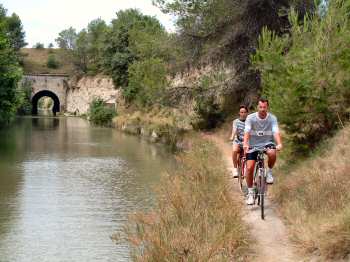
(237, 137)
(261, 130)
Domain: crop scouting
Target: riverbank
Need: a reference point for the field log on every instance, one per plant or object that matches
(167, 126)
(198, 218)
(307, 211)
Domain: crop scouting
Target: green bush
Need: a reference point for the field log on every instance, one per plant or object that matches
(147, 80)
(10, 74)
(306, 74)
(100, 113)
(38, 46)
(208, 112)
(52, 62)
(24, 94)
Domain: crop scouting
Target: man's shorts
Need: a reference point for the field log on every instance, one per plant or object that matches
(254, 155)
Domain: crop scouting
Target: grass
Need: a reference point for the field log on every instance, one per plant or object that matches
(314, 197)
(35, 61)
(197, 218)
(169, 124)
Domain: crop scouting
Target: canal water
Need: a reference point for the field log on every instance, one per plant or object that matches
(66, 187)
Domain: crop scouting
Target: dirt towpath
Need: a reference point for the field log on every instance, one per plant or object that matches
(272, 243)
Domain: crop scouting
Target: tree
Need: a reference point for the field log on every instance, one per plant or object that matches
(81, 52)
(67, 39)
(89, 46)
(96, 34)
(12, 25)
(147, 80)
(3, 12)
(121, 47)
(217, 31)
(39, 46)
(50, 45)
(10, 74)
(306, 74)
(15, 32)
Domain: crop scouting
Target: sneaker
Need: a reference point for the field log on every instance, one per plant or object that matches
(250, 198)
(269, 177)
(234, 172)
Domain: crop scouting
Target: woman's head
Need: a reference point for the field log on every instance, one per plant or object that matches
(243, 112)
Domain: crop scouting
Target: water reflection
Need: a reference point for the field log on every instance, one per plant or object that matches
(45, 123)
(66, 187)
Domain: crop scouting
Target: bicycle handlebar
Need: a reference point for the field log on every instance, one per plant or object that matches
(263, 148)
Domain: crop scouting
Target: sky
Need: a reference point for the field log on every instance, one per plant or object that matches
(43, 19)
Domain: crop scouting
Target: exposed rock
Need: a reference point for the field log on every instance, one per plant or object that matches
(83, 91)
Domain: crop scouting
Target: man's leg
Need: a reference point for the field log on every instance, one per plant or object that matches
(249, 173)
(271, 153)
(249, 179)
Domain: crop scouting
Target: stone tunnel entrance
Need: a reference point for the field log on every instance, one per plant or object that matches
(53, 96)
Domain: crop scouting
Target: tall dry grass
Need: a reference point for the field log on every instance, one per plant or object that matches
(314, 197)
(196, 219)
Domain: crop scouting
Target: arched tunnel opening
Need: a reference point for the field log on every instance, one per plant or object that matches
(45, 93)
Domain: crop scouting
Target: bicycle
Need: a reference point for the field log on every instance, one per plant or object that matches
(259, 179)
(242, 166)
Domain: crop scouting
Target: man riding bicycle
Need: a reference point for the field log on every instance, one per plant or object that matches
(237, 137)
(261, 131)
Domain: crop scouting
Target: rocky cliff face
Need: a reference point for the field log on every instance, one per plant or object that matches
(81, 92)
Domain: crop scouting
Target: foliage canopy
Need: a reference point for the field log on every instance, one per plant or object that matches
(306, 74)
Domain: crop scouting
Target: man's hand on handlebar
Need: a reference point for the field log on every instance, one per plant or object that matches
(279, 147)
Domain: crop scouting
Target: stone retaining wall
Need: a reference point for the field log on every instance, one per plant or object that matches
(82, 92)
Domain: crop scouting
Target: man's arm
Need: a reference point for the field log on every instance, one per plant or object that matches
(276, 134)
(247, 128)
(246, 142)
(278, 140)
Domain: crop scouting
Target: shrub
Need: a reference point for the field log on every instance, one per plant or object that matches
(208, 111)
(306, 74)
(52, 62)
(24, 94)
(147, 80)
(39, 46)
(100, 113)
(10, 74)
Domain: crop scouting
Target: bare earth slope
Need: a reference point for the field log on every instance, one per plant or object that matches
(35, 61)
(272, 243)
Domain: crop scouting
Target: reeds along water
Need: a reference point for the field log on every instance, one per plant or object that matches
(196, 219)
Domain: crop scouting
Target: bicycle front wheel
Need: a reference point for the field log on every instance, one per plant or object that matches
(262, 190)
(262, 207)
